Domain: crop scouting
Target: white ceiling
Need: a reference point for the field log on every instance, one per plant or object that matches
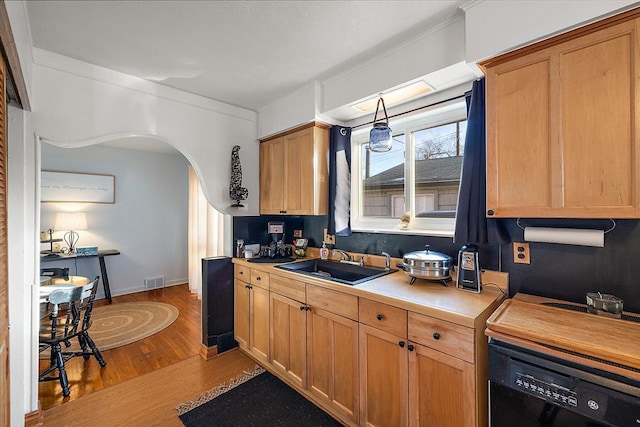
(245, 53)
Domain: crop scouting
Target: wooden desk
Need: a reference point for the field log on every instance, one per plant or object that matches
(103, 267)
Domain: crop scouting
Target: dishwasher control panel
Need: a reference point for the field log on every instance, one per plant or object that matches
(548, 391)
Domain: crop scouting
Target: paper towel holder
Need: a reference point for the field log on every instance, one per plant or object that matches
(613, 225)
(566, 236)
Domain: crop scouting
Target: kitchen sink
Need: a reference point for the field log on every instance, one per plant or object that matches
(336, 271)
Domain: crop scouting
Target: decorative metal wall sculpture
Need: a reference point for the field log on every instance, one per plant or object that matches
(236, 191)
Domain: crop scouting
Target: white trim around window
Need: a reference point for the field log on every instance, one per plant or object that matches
(442, 227)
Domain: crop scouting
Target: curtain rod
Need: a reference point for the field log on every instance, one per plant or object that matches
(414, 110)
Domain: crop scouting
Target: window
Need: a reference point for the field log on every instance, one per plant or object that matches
(417, 179)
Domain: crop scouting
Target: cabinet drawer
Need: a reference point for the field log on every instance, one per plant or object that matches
(291, 288)
(260, 279)
(447, 337)
(384, 317)
(336, 302)
(243, 273)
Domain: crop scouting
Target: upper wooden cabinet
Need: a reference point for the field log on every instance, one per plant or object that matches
(294, 172)
(562, 125)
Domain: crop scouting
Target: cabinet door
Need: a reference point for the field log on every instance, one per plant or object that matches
(383, 379)
(519, 168)
(259, 324)
(332, 360)
(288, 338)
(598, 97)
(299, 164)
(442, 389)
(241, 313)
(272, 176)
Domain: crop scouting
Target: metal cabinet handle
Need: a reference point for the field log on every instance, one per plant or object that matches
(249, 287)
(401, 344)
(258, 278)
(241, 273)
(379, 316)
(410, 347)
(436, 336)
(302, 308)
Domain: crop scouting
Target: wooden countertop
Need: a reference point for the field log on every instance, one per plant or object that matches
(426, 297)
(524, 319)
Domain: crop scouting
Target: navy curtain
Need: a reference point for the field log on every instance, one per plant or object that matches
(339, 181)
(472, 225)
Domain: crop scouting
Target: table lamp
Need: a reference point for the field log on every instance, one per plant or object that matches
(71, 221)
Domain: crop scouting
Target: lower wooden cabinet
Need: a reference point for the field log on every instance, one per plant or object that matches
(441, 389)
(332, 360)
(384, 388)
(368, 363)
(241, 315)
(251, 319)
(288, 338)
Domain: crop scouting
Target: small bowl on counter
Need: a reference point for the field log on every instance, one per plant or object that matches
(604, 304)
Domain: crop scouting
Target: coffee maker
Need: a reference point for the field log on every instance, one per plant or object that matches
(276, 247)
(469, 269)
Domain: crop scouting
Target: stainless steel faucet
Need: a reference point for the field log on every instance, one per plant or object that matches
(344, 256)
(387, 264)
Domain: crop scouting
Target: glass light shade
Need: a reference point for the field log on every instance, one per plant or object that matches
(67, 221)
(380, 138)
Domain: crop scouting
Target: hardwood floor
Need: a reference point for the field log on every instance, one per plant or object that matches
(150, 399)
(178, 342)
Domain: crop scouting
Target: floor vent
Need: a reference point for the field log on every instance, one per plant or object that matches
(154, 282)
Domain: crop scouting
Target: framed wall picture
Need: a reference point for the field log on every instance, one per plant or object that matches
(77, 187)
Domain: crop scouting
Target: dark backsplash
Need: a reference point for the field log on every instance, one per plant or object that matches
(559, 271)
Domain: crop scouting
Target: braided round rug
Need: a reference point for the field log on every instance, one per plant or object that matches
(116, 325)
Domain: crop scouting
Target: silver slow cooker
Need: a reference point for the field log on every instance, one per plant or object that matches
(427, 264)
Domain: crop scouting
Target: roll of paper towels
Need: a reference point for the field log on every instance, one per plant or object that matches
(566, 236)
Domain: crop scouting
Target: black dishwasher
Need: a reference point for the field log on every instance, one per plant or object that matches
(528, 388)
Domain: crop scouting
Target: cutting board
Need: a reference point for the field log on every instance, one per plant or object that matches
(609, 339)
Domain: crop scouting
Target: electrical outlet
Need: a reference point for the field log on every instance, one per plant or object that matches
(329, 239)
(521, 254)
(297, 233)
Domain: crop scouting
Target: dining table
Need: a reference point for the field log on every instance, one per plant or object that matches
(49, 284)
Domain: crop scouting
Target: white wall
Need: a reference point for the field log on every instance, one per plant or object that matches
(435, 49)
(147, 224)
(494, 27)
(289, 111)
(77, 104)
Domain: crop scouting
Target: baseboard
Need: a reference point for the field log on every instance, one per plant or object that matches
(128, 291)
(34, 418)
(208, 353)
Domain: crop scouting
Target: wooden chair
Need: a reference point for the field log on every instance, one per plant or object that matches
(88, 347)
(63, 325)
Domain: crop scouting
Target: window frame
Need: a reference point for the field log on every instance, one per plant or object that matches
(442, 227)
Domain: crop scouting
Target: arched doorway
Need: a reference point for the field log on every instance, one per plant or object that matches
(148, 223)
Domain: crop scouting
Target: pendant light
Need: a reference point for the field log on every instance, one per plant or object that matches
(380, 137)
